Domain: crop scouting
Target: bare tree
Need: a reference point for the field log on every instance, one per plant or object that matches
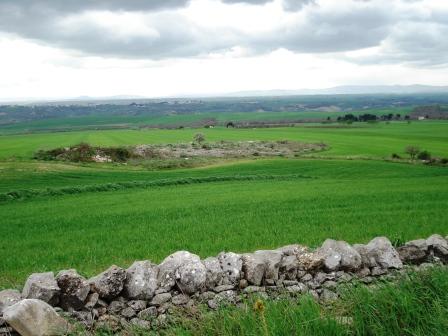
(412, 151)
(199, 138)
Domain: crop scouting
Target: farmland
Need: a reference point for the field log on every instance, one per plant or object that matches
(348, 192)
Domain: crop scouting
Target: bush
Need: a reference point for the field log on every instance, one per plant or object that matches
(424, 156)
(444, 160)
(396, 156)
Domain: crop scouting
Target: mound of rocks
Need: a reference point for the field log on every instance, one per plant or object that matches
(144, 294)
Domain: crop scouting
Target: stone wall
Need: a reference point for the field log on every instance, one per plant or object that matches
(145, 293)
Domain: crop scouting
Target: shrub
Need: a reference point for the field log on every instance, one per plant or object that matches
(424, 156)
(396, 156)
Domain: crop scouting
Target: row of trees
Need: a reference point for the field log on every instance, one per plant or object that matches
(370, 117)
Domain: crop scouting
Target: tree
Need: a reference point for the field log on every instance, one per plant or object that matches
(424, 156)
(412, 151)
(199, 138)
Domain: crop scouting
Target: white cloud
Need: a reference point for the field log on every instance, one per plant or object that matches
(153, 48)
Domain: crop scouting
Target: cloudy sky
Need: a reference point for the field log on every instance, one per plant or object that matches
(70, 48)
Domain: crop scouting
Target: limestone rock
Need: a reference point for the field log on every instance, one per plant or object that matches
(289, 266)
(148, 313)
(191, 276)
(292, 250)
(383, 252)
(109, 284)
(254, 268)
(222, 288)
(42, 286)
(141, 324)
(379, 252)
(311, 261)
(8, 297)
(74, 289)
(141, 280)
(340, 255)
(137, 305)
(180, 299)
(231, 265)
(128, 313)
(31, 317)
(438, 245)
(160, 299)
(414, 251)
(116, 306)
(214, 272)
(272, 260)
(367, 259)
(169, 266)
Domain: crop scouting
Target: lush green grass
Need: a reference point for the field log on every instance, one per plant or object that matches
(361, 139)
(350, 200)
(415, 306)
(91, 121)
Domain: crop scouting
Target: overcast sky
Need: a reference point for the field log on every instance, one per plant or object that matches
(70, 48)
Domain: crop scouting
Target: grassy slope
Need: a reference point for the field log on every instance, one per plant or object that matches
(366, 140)
(350, 200)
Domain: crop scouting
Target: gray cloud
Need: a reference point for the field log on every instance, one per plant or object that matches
(417, 39)
(289, 5)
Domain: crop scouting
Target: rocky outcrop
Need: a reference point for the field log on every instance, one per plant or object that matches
(31, 317)
(145, 293)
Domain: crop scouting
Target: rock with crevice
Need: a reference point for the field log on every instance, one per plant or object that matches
(214, 272)
(74, 289)
(42, 286)
(168, 269)
(272, 260)
(379, 252)
(438, 245)
(414, 251)
(110, 283)
(254, 268)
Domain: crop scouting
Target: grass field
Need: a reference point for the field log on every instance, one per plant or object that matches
(306, 201)
(351, 200)
(104, 121)
(360, 139)
(414, 306)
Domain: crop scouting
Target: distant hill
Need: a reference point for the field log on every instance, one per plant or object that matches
(348, 89)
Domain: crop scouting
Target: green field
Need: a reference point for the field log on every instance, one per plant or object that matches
(127, 121)
(347, 192)
(358, 140)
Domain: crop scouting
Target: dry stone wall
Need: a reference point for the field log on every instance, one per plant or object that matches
(145, 293)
